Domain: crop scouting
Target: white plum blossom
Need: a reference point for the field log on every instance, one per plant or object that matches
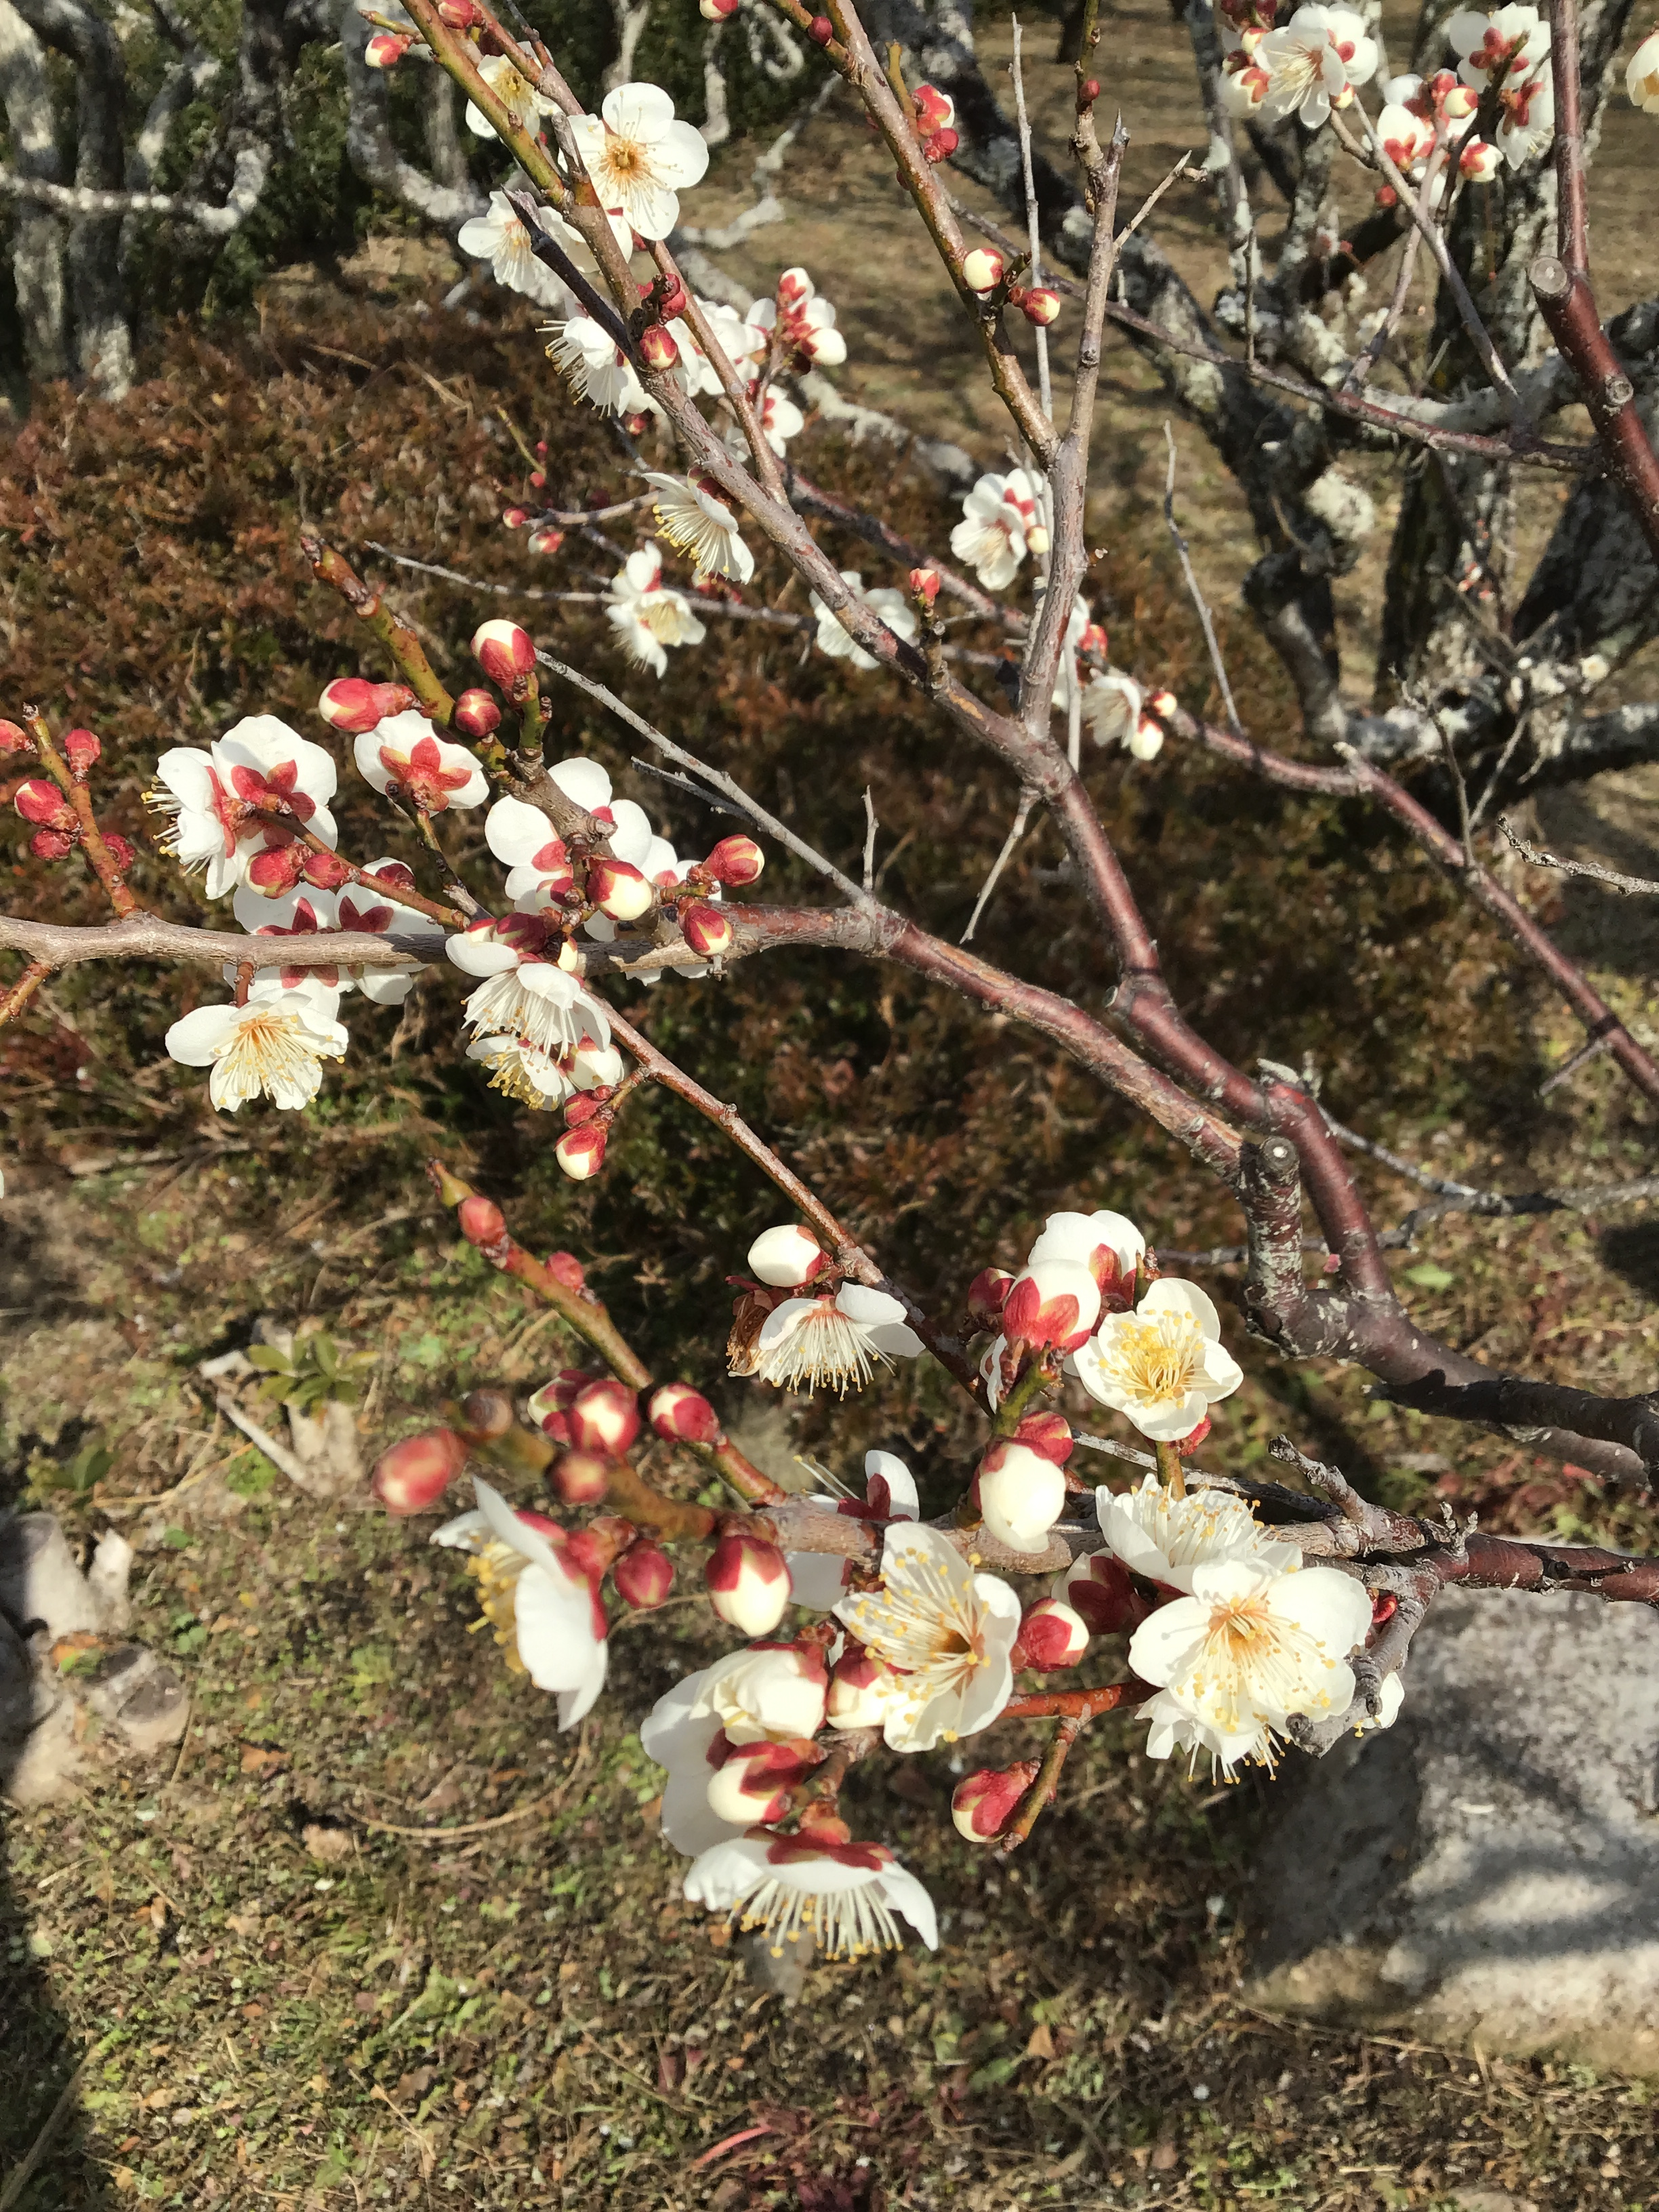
(1165, 1538)
(248, 792)
(517, 95)
(767, 1693)
(501, 238)
(524, 1071)
(1312, 65)
(306, 912)
(946, 1629)
(596, 366)
(1108, 1244)
(1526, 116)
(845, 1894)
(523, 839)
(1249, 1646)
(1512, 43)
(835, 1342)
(816, 1579)
(272, 1046)
(405, 753)
(894, 609)
(803, 319)
(999, 516)
(1114, 708)
(648, 616)
(691, 515)
(639, 158)
(544, 1610)
(1164, 1364)
(781, 420)
(1642, 84)
(525, 994)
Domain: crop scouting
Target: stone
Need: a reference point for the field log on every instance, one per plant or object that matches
(41, 1586)
(37, 1756)
(141, 1696)
(1485, 1870)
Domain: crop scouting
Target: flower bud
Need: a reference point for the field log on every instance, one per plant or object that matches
(644, 1575)
(503, 651)
(14, 740)
(987, 1294)
(352, 704)
(983, 268)
(545, 540)
(580, 1152)
(51, 844)
(1088, 92)
(565, 1268)
(1459, 101)
(860, 1690)
(820, 30)
(119, 851)
(1054, 1302)
(40, 801)
(1101, 1590)
(1021, 1496)
(460, 14)
(618, 889)
(753, 1785)
(735, 861)
(636, 425)
(475, 714)
(924, 584)
(327, 871)
(1039, 305)
(1048, 1435)
(604, 1416)
(81, 749)
(707, 930)
(386, 49)
(1051, 1634)
(657, 347)
(486, 1414)
(559, 1395)
(414, 1474)
(748, 1583)
(935, 110)
(580, 1478)
(684, 1415)
(514, 517)
(983, 1804)
(1036, 539)
(939, 145)
(592, 1550)
(481, 1221)
(787, 1256)
(716, 11)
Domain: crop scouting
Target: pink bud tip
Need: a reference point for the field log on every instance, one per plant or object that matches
(476, 714)
(935, 110)
(820, 30)
(39, 800)
(618, 889)
(565, 1267)
(1088, 92)
(684, 1415)
(983, 1804)
(1048, 1435)
(636, 425)
(51, 844)
(385, 50)
(352, 704)
(580, 1152)
(735, 861)
(503, 651)
(987, 1294)
(707, 930)
(716, 11)
(752, 1785)
(414, 1475)
(1051, 1634)
(1039, 305)
(657, 347)
(481, 1221)
(460, 14)
(14, 740)
(119, 851)
(644, 1575)
(981, 268)
(514, 517)
(603, 1417)
(326, 871)
(939, 145)
(545, 541)
(558, 1396)
(538, 479)
(748, 1583)
(276, 869)
(924, 584)
(81, 749)
(581, 1478)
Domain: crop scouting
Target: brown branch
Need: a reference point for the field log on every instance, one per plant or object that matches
(145, 937)
(24, 990)
(1568, 306)
(1641, 886)
(1572, 198)
(99, 859)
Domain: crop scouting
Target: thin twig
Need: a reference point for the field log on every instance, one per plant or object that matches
(1033, 227)
(869, 844)
(24, 990)
(1582, 1058)
(1017, 831)
(1197, 597)
(279, 1455)
(1627, 886)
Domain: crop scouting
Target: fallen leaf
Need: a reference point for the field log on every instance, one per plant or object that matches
(331, 1845)
(243, 1924)
(260, 1759)
(1042, 2043)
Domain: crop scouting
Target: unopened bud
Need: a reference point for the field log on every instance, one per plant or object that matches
(1048, 1435)
(503, 651)
(514, 517)
(354, 705)
(119, 851)
(581, 1478)
(860, 1690)
(735, 861)
(14, 740)
(275, 871)
(538, 479)
(486, 1414)
(987, 1294)
(559, 1395)
(1039, 305)
(580, 1152)
(1051, 1634)
(684, 1415)
(657, 347)
(475, 714)
(565, 1267)
(1021, 1494)
(1462, 101)
(983, 1804)
(40, 800)
(481, 1221)
(939, 145)
(618, 889)
(414, 1475)
(753, 1785)
(636, 425)
(934, 109)
(924, 584)
(460, 14)
(546, 540)
(787, 1256)
(81, 750)
(644, 1575)
(820, 30)
(983, 268)
(1088, 92)
(1053, 1302)
(386, 49)
(51, 844)
(326, 871)
(605, 1416)
(1101, 1590)
(708, 932)
(748, 1583)
(1036, 539)
(716, 11)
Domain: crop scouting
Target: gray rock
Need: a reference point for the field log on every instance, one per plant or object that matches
(1487, 1869)
(141, 1696)
(37, 1756)
(40, 1585)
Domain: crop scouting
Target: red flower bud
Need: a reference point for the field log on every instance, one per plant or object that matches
(604, 1416)
(753, 1785)
(538, 479)
(276, 871)
(924, 584)
(735, 861)
(983, 268)
(476, 714)
(460, 14)
(14, 740)
(657, 347)
(386, 49)
(351, 703)
(1039, 305)
(326, 871)
(644, 1575)
(708, 932)
(580, 1152)
(119, 851)
(557, 1397)
(983, 1804)
(1048, 1435)
(987, 1294)
(414, 1475)
(1101, 1590)
(716, 11)
(565, 1267)
(81, 749)
(547, 540)
(939, 145)
(514, 517)
(503, 651)
(618, 889)
(748, 1583)
(678, 1412)
(820, 30)
(481, 1221)
(1051, 1634)
(51, 844)
(40, 800)
(581, 1478)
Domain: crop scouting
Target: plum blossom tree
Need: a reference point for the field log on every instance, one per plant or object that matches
(1233, 1616)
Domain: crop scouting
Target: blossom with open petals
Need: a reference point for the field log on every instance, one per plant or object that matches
(1165, 1538)
(692, 515)
(638, 158)
(947, 1629)
(538, 867)
(999, 517)
(849, 1896)
(781, 420)
(274, 1046)
(404, 753)
(249, 792)
(544, 1609)
(517, 95)
(894, 609)
(595, 366)
(1313, 64)
(647, 614)
(816, 1579)
(1509, 43)
(306, 913)
(1525, 116)
(835, 1342)
(1642, 78)
(765, 1694)
(527, 992)
(1252, 1645)
(1114, 709)
(803, 319)
(502, 238)
(1164, 1364)
(1108, 1244)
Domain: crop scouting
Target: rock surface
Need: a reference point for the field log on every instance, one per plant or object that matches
(1487, 1869)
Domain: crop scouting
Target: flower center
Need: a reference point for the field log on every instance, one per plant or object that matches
(1155, 1357)
(497, 1569)
(263, 1046)
(626, 160)
(825, 1348)
(847, 1921)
